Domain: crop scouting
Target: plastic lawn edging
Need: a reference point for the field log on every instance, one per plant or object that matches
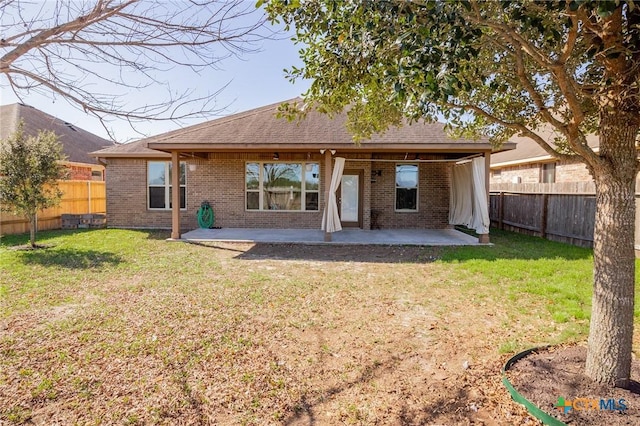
(545, 418)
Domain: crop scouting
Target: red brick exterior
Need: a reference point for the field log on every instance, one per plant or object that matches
(433, 197)
(532, 173)
(79, 171)
(221, 181)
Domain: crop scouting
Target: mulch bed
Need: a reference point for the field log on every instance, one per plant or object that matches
(549, 374)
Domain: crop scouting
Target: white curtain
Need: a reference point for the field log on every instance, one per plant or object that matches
(468, 204)
(461, 200)
(330, 216)
(480, 203)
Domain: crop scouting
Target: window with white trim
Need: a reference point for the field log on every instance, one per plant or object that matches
(406, 187)
(548, 173)
(282, 186)
(159, 185)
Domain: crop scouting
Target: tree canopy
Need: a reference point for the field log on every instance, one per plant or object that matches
(29, 172)
(490, 68)
(499, 68)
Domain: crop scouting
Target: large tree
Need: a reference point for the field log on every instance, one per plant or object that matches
(101, 55)
(30, 168)
(499, 69)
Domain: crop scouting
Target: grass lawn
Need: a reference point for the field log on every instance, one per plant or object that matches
(118, 326)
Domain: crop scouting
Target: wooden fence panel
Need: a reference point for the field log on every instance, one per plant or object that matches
(571, 218)
(79, 197)
(522, 211)
(563, 217)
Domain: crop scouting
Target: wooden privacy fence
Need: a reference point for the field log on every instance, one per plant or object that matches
(79, 197)
(564, 217)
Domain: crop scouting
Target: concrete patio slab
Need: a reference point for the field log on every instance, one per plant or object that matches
(420, 237)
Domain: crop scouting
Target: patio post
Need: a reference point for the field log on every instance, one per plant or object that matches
(328, 171)
(484, 238)
(175, 195)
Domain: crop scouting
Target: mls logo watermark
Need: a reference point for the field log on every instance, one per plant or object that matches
(591, 404)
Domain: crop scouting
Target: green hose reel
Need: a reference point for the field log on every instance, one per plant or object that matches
(206, 217)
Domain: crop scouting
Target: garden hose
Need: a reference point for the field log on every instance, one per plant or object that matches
(206, 217)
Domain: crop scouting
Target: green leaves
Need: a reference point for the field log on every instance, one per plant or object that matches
(501, 62)
(29, 171)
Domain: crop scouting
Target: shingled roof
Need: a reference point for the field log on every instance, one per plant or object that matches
(77, 143)
(529, 151)
(259, 128)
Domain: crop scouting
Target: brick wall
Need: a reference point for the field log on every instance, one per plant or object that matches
(433, 197)
(221, 181)
(576, 172)
(528, 173)
(79, 172)
(531, 173)
(127, 198)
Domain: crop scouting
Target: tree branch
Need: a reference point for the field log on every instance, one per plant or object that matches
(124, 44)
(520, 128)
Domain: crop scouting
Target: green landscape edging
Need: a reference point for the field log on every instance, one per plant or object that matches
(517, 397)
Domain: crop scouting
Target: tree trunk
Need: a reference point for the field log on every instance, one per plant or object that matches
(32, 230)
(611, 329)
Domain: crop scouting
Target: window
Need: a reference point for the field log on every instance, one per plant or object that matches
(159, 181)
(96, 175)
(407, 187)
(548, 173)
(282, 186)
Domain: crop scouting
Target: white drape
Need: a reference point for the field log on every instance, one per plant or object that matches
(330, 216)
(480, 203)
(461, 200)
(468, 204)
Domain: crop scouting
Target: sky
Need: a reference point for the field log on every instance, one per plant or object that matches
(256, 80)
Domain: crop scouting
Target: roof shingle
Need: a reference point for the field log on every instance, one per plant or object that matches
(77, 143)
(260, 127)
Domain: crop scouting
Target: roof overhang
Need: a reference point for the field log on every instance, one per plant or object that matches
(540, 159)
(163, 150)
(157, 154)
(350, 148)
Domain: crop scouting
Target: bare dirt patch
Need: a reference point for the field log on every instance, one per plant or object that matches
(549, 374)
(259, 334)
(344, 253)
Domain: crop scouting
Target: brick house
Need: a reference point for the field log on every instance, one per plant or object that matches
(258, 171)
(530, 164)
(76, 142)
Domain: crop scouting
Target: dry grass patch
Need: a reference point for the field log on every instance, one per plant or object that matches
(130, 329)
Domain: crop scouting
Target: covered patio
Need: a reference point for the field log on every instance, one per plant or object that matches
(416, 237)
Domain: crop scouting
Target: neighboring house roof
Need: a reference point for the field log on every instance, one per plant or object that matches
(529, 151)
(259, 129)
(77, 143)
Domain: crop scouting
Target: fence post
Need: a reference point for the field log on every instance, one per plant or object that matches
(501, 210)
(543, 216)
